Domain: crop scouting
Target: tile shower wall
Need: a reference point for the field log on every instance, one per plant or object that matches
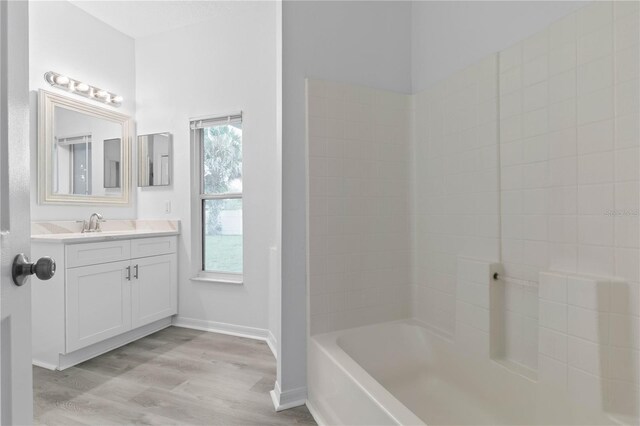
(530, 156)
(455, 187)
(474, 320)
(569, 159)
(587, 348)
(359, 232)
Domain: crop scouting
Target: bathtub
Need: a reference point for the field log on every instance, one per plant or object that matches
(401, 373)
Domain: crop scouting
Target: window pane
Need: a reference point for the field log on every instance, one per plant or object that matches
(222, 159)
(222, 248)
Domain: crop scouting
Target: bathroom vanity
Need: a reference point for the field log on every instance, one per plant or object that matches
(116, 280)
(110, 288)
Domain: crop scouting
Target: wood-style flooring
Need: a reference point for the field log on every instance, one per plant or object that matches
(176, 376)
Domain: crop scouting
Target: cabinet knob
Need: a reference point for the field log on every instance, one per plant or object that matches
(44, 268)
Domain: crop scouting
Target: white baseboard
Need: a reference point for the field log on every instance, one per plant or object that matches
(81, 355)
(43, 364)
(229, 329)
(316, 414)
(289, 399)
(273, 343)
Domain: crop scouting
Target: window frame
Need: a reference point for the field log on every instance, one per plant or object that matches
(199, 198)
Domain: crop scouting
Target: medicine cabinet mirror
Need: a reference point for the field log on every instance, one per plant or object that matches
(154, 159)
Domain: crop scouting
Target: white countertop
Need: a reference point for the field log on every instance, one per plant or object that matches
(100, 236)
(69, 232)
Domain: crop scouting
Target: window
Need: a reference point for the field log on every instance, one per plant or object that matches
(218, 152)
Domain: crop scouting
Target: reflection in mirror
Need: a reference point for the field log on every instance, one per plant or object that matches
(83, 152)
(81, 143)
(112, 163)
(154, 159)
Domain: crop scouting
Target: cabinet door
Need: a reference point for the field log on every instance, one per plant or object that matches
(98, 303)
(154, 288)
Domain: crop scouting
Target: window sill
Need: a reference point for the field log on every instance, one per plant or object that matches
(218, 280)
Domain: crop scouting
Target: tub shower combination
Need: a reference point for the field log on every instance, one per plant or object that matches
(404, 372)
(462, 266)
(418, 377)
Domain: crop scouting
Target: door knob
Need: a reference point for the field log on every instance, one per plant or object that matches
(44, 268)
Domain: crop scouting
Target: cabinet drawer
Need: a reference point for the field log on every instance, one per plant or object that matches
(155, 246)
(94, 253)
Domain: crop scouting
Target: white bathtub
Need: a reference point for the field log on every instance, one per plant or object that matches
(402, 373)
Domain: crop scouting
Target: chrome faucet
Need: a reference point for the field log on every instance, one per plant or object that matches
(85, 225)
(94, 223)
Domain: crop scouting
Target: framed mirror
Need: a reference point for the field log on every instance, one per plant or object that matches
(83, 152)
(154, 159)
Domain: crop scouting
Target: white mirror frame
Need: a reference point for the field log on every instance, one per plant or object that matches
(47, 101)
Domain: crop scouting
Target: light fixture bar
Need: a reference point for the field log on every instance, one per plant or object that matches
(83, 89)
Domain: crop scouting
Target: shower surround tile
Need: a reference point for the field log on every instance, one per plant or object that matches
(585, 128)
(596, 348)
(529, 157)
(473, 317)
(455, 188)
(359, 232)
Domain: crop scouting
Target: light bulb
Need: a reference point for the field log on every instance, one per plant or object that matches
(102, 93)
(62, 80)
(117, 99)
(82, 87)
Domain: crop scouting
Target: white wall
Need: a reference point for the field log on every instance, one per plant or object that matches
(65, 39)
(448, 36)
(366, 43)
(220, 66)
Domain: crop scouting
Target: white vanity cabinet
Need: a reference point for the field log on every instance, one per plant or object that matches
(104, 294)
(150, 301)
(98, 299)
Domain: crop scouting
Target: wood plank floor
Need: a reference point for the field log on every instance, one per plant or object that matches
(176, 376)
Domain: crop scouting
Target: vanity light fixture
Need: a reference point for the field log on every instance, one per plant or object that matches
(62, 80)
(83, 89)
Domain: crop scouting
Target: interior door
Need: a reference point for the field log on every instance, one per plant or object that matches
(16, 395)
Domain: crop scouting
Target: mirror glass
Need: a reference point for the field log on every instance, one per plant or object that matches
(83, 152)
(112, 161)
(86, 154)
(154, 159)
